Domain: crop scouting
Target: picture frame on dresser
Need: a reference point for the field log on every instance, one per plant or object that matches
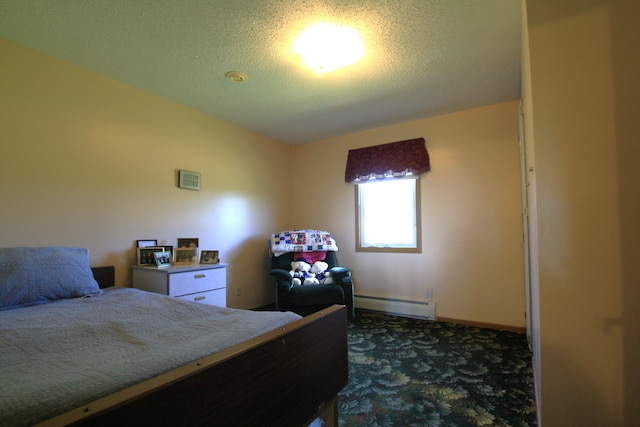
(163, 259)
(184, 256)
(146, 255)
(188, 242)
(209, 257)
(146, 243)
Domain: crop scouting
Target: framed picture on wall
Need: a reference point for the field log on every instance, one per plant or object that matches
(146, 255)
(183, 256)
(209, 257)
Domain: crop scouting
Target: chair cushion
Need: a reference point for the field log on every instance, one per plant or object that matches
(316, 295)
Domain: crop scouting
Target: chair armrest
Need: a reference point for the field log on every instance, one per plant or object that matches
(342, 277)
(338, 274)
(281, 275)
(284, 283)
(283, 279)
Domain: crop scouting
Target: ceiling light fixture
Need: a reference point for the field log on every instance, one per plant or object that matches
(325, 47)
(236, 76)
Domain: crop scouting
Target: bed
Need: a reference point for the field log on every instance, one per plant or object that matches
(125, 355)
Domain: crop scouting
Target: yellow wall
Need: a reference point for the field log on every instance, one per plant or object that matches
(584, 68)
(472, 253)
(87, 161)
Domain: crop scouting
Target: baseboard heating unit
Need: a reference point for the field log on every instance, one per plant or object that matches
(419, 309)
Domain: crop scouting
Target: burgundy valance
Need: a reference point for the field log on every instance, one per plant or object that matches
(387, 160)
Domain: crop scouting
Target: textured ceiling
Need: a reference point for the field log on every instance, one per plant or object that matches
(423, 58)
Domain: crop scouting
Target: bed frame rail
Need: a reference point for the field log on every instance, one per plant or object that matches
(285, 377)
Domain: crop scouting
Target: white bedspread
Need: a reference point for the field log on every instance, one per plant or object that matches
(58, 356)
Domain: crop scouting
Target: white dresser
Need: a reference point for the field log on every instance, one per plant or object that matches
(204, 283)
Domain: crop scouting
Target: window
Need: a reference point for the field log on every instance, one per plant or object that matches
(387, 188)
(388, 215)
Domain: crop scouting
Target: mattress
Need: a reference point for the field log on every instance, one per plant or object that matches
(61, 355)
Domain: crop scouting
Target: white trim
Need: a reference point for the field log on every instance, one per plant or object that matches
(408, 308)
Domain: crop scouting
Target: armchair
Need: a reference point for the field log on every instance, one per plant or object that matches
(307, 299)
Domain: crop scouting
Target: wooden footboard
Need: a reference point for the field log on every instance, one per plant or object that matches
(285, 377)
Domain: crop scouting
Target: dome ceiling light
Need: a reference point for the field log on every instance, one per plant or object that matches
(326, 47)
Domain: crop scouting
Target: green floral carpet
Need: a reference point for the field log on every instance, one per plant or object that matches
(410, 372)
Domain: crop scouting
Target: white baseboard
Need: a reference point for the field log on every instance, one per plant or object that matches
(419, 309)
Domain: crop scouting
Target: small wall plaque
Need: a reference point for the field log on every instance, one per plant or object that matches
(189, 180)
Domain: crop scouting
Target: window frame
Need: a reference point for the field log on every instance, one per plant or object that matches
(391, 249)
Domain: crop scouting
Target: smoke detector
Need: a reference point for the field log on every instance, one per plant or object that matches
(236, 76)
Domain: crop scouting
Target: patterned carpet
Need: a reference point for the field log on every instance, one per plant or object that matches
(410, 372)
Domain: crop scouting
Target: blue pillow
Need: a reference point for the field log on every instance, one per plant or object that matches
(35, 275)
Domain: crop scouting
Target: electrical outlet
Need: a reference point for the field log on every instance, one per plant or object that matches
(429, 294)
(238, 291)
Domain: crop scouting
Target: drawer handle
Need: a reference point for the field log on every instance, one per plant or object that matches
(199, 276)
(200, 298)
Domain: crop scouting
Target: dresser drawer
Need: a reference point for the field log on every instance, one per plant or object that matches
(216, 297)
(191, 282)
(206, 284)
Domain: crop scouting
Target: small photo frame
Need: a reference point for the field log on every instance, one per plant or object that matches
(146, 243)
(189, 180)
(168, 249)
(163, 259)
(183, 256)
(188, 242)
(209, 257)
(146, 255)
